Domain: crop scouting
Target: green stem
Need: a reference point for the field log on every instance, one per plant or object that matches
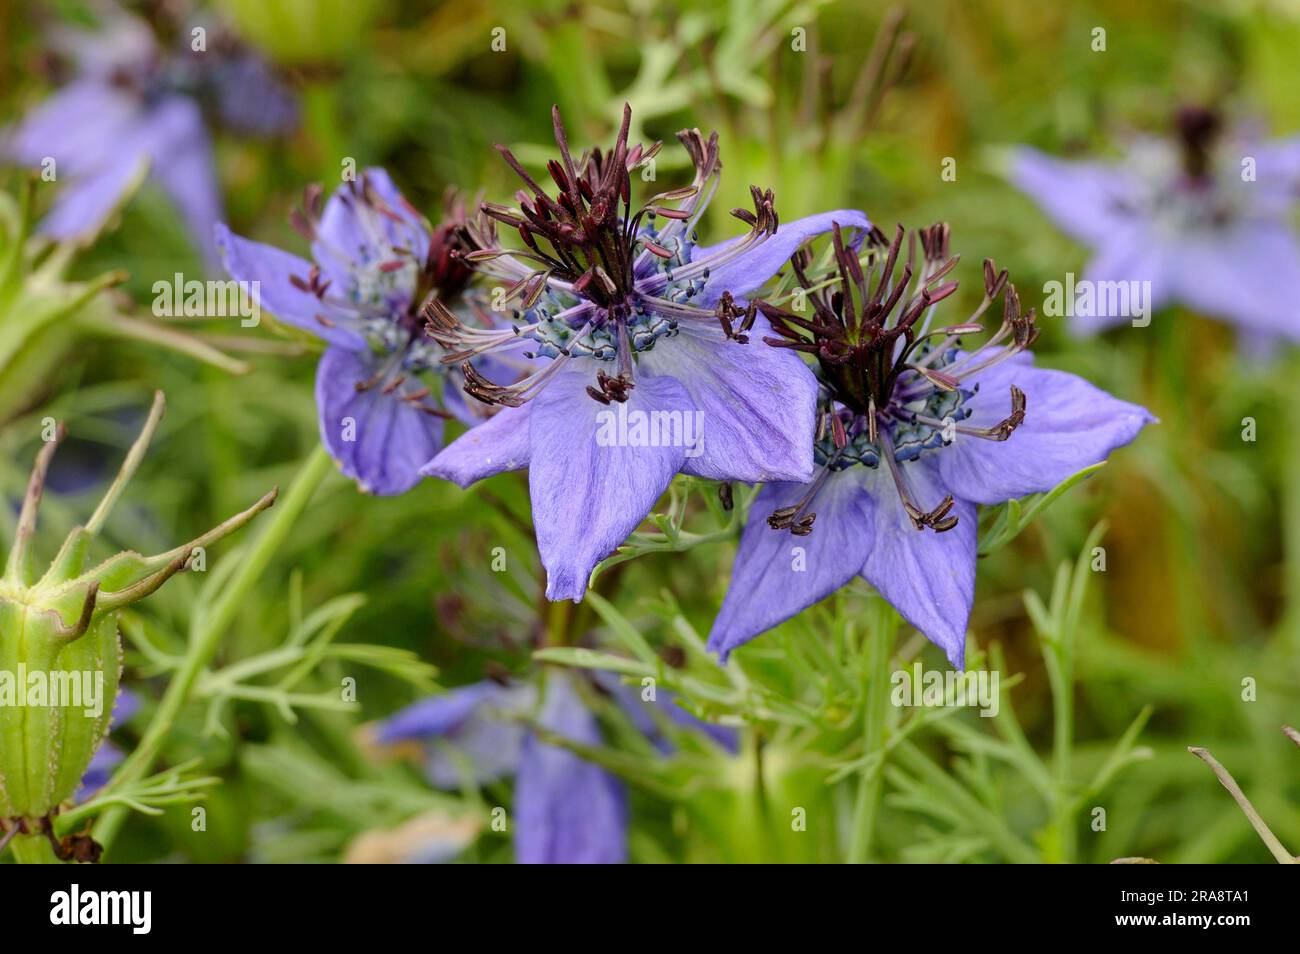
(1060, 675)
(32, 850)
(206, 637)
(875, 699)
(768, 843)
(1062, 741)
(558, 615)
(1291, 518)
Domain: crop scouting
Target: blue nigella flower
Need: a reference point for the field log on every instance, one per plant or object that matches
(1205, 218)
(380, 384)
(913, 433)
(631, 321)
(134, 106)
(567, 810)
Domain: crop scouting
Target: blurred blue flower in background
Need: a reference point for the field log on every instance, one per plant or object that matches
(567, 810)
(135, 107)
(1204, 217)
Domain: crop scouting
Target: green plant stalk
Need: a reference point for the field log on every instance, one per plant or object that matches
(1058, 659)
(1291, 518)
(1060, 676)
(33, 850)
(1172, 360)
(205, 640)
(875, 701)
(760, 783)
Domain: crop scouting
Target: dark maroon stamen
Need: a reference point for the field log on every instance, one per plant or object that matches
(584, 235)
(727, 313)
(1198, 130)
(851, 333)
(876, 357)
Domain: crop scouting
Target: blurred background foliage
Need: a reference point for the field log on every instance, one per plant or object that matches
(1202, 535)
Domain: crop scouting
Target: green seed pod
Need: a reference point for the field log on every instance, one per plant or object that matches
(59, 684)
(60, 655)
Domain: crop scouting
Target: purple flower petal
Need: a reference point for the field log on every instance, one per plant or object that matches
(86, 204)
(463, 408)
(503, 442)
(928, 577)
(777, 574)
(1247, 273)
(125, 707)
(483, 750)
(1069, 425)
(90, 130)
(81, 127)
(757, 403)
(468, 730)
(100, 137)
(586, 497)
(248, 261)
(1232, 259)
(641, 713)
(1130, 254)
(180, 152)
(751, 270)
(377, 439)
(438, 715)
(567, 811)
(1082, 197)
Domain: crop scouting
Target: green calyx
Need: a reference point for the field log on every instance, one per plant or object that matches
(60, 654)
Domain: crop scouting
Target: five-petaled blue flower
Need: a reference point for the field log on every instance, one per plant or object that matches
(912, 434)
